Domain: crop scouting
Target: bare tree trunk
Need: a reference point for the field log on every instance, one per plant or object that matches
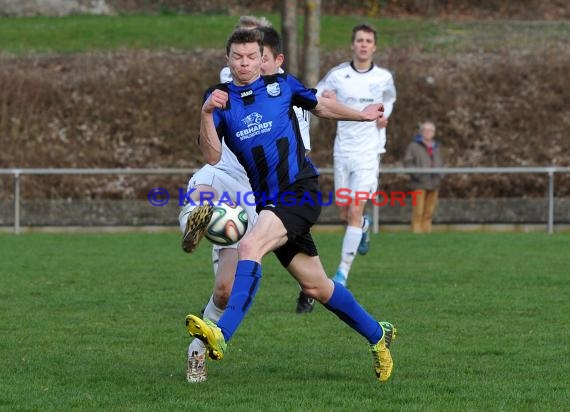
(311, 50)
(289, 34)
(311, 61)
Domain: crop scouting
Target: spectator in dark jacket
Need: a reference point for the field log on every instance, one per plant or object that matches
(424, 152)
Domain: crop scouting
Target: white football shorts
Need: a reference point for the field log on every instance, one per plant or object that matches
(356, 174)
(225, 186)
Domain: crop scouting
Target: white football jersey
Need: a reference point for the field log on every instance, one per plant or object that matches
(357, 90)
(225, 75)
(229, 164)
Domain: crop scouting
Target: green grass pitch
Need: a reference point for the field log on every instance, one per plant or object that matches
(97, 322)
(77, 34)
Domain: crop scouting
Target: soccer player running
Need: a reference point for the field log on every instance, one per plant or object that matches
(253, 115)
(226, 177)
(358, 146)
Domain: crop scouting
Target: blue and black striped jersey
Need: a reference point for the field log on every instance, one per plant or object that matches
(260, 127)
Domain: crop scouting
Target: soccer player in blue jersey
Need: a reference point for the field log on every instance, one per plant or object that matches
(254, 117)
(228, 178)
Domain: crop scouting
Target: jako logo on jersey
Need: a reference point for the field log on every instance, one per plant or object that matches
(246, 93)
(273, 89)
(254, 126)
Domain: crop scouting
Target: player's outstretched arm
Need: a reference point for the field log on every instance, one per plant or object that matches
(331, 109)
(210, 144)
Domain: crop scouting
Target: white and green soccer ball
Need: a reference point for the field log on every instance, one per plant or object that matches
(228, 224)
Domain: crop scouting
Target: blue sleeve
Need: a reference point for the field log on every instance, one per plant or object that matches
(302, 97)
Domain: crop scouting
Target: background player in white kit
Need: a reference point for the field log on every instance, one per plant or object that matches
(358, 145)
(226, 176)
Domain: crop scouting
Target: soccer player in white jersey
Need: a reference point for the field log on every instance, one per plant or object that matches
(358, 145)
(227, 176)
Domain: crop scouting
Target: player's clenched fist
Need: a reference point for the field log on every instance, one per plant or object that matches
(373, 111)
(217, 100)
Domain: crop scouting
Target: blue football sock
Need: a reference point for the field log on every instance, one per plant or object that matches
(343, 304)
(248, 274)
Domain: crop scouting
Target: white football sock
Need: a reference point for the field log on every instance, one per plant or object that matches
(350, 244)
(213, 312)
(215, 259)
(196, 346)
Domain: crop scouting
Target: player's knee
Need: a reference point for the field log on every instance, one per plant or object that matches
(222, 295)
(354, 216)
(317, 291)
(319, 295)
(248, 248)
(311, 292)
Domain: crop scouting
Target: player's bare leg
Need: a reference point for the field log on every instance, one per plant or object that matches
(309, 272)
(196, 368)
(267, 234)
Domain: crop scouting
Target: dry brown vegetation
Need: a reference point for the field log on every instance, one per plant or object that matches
(140, 109)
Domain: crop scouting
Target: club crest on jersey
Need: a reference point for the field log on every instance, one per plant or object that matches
(273, 89)
(252, 119)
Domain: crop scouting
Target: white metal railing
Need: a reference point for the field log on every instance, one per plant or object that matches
(549, 171)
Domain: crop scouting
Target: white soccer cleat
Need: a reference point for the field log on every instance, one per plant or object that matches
(196, 370)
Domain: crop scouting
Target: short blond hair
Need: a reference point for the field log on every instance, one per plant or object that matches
(252, 22)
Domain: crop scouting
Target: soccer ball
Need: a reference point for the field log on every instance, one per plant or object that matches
(228, 224)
